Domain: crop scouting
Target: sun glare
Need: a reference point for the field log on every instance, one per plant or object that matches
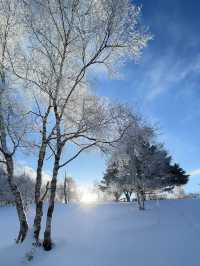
(88, 197)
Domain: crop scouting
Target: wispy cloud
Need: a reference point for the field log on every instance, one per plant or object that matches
(167, 72)
(172, 57)
(195, 172)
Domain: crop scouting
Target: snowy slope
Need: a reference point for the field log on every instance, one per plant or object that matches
(111, 234)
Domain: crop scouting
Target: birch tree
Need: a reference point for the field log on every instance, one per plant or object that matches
(12, 131)
(12, 127)
(67, 38)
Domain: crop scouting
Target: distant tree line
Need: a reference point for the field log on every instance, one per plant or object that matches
(26, 187)
(66, 191)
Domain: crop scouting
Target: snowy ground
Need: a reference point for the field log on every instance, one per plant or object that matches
(166, 234)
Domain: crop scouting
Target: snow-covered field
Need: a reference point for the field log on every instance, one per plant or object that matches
(111, 234)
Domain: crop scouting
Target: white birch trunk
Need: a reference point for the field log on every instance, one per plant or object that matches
(47, 243)
(10, 172)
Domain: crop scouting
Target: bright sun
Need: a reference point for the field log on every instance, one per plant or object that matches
(88, 197)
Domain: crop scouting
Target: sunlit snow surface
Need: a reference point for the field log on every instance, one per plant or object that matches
(111, 234)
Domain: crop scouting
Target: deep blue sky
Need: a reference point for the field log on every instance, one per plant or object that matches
(163, 85)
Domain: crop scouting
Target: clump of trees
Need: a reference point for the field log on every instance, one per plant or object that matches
(47, 50)
(140, 165)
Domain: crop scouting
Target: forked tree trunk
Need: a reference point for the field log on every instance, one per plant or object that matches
(38, 199)
(18, 201)
(47, 243)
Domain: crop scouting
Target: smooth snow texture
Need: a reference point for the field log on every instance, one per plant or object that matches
(111, 234)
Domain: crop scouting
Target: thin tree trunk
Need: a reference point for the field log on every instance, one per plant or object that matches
(140, 200)
(18, 200)
(47, 243)
(65, 190)
(38, 200)
(128, 197)
(38, 220)
(143, 199)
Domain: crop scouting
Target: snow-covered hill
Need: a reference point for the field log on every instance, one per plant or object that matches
(111, 234)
